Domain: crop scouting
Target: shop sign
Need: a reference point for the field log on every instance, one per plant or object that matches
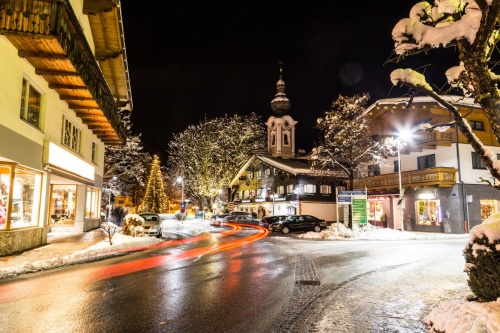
(359, 212)
(56, 156)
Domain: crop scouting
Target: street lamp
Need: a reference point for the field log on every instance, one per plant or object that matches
(181, 180)
(110, 191)
(402, 136)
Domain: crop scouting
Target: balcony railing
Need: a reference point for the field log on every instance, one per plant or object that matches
(48, 34)
(443, 177)
(435, 138)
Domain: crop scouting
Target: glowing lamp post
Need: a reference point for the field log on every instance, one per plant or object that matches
(402, 136)
(181, 180)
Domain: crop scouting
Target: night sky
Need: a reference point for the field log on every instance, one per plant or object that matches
(190, 59)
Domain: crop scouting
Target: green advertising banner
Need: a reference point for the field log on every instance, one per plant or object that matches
(359, 213)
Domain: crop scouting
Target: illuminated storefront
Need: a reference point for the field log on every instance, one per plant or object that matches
(20, 191)
(428, 212)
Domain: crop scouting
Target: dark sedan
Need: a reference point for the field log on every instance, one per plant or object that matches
(269, 220)
(298, 222)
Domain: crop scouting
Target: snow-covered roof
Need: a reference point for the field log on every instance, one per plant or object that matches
(293, 166)
(455, 100)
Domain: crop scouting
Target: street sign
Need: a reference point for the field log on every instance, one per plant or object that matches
(183, 210)
(359, 213)
(183, 204)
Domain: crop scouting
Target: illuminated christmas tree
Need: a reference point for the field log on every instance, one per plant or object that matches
(155, 198)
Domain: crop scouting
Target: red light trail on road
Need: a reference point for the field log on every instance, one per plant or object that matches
(143, 264)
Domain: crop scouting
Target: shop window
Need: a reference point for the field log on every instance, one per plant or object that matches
(24, 198)
(489, 207)
(92, 203)
(476, 125)
(325, 189)
(31, 105)
(62, 204)
(310, 188)
(426, 162)
(376, 211)
(477, 163)
(71, 136)
(428, 212)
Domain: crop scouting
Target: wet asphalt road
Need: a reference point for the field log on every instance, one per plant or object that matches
(278, 284)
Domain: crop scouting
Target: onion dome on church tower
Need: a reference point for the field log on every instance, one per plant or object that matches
(280, 103)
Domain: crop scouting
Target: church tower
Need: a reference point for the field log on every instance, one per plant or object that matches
(281, 127)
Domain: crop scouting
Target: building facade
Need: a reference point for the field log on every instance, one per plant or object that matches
(440, 173)
(65, 82)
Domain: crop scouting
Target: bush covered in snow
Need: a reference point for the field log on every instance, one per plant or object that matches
(482, 257)
(132, 225)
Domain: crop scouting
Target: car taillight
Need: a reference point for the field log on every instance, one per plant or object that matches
(323, 223)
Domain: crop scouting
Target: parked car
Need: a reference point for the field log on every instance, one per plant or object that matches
(298, 222)
(152, 224)
(245, 219)
(217, 219)
(239, 212)
(268, 220)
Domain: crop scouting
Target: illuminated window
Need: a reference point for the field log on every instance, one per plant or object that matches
(325, 189)
(289, 189)
(71, 136)
(31, 105)
(62, 204)
(310, 188)
(489, 207)
(25, 197)
(428, 212)
(281, 190)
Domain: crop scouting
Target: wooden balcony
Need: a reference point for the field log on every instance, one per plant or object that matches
(442, 177)
(433, 139)
(47, 33)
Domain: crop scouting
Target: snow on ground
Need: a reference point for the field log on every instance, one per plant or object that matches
(459, 316)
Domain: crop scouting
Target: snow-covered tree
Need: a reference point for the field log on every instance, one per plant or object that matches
(209, 154)
(155, 198)
(126, 167)
(345, 143)
(473, 28)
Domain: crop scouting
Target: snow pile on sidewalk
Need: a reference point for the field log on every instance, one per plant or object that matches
(94, 252)
(463, 316)
(368, 232)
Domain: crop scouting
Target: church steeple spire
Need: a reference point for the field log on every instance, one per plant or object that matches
(280, 103)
